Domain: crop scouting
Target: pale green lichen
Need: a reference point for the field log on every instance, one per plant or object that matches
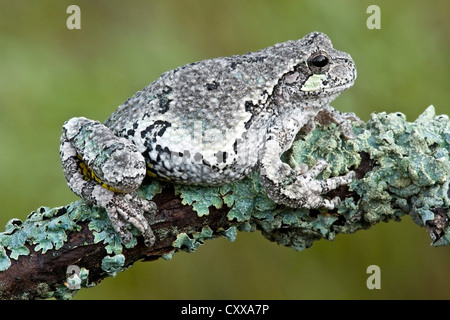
(5, 262)
(411, 162)
(149, 190)
(326, 143)
(169, 255)
(200, 198)
(410, 175)
(245, 197)
(190, 243)
(103, 232)
(46, 229)
(230, 233)
(113, 264)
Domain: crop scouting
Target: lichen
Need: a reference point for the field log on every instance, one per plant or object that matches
(190, 243)
(113, 264)
(200, 198)
(410, 175)
(44, 228)
(169, 255)
(230, 233)
(149, 189)
(245, 197)
(411, 162)
(5, 262)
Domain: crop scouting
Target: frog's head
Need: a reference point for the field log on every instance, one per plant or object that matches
(321, 74)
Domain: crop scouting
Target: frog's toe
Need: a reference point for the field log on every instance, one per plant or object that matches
(124, 212)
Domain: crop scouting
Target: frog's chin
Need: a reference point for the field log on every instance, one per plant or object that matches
(323, 90)
(338, 89)
(322, 98)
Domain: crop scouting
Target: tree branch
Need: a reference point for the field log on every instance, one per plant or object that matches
(402, 168)
(42, 275)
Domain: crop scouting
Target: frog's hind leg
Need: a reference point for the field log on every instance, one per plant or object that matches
(105, 170)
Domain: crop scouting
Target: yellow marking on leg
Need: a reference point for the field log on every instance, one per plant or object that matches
(89, 175)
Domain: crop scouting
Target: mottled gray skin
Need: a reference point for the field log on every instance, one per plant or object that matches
(213, 122)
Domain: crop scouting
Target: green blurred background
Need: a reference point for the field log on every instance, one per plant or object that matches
(49, 74)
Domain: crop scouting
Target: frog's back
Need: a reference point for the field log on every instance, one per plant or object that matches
(202, 109)
(213, 91)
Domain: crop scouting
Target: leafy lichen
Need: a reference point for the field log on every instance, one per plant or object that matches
(200, 198)
(113, 264)
(44, 228)
(191, 243)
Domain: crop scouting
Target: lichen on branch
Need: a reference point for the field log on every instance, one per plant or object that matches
(402, 168)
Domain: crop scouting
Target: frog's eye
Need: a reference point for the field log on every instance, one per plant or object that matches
(319, 62)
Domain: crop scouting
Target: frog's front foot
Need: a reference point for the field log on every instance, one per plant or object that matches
(309, 190)
(126, 209)
(301, 189)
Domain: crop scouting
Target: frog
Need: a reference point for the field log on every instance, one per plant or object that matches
(211, 123)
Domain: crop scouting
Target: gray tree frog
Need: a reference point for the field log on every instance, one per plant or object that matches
(210, 123)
